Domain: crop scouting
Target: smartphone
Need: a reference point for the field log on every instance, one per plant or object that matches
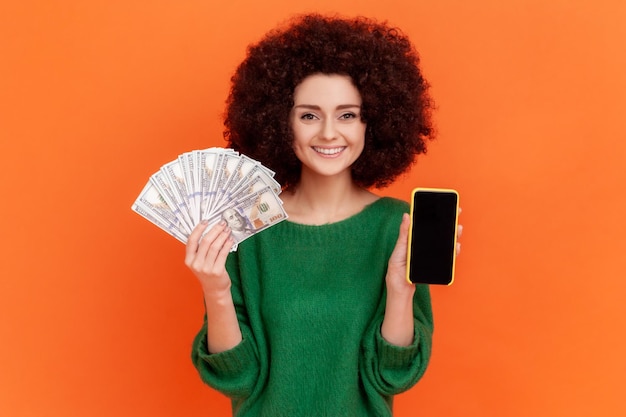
(432, 236)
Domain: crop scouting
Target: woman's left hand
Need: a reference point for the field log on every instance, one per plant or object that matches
(397, 327)
(396, 270)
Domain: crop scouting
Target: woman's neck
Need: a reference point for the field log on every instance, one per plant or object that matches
(323, 200)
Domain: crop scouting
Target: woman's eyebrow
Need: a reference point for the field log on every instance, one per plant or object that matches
(316, 107)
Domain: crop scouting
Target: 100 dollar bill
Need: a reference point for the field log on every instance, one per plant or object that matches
(251, 214)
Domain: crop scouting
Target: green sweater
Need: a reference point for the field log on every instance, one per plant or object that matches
(310, 302)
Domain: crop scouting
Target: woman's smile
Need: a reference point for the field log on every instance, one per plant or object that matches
(329, 152)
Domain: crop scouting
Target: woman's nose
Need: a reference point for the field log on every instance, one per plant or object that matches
(329, 130)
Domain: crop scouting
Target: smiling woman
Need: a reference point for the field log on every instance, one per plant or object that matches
(327, 125)
(97, 313)
(313, 101)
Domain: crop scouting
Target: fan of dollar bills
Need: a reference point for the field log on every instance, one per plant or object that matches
(212, 184)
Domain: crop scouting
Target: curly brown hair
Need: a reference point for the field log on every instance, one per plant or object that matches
(384, 67)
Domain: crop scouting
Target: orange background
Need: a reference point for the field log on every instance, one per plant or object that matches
(97, 309)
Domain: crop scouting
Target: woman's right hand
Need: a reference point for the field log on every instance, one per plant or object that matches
(206, 256)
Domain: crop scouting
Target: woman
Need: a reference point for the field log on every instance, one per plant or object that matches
(314, 316)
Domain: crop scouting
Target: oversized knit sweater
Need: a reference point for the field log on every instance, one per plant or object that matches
(310, 302)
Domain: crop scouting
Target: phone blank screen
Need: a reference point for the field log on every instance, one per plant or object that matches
(433, 237)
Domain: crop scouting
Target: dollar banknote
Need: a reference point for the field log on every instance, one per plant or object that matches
(211, 184)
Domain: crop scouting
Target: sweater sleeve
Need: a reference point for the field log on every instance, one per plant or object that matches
(390, 369)
(233, 372)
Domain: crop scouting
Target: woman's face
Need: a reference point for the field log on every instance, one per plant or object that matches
(329, 134)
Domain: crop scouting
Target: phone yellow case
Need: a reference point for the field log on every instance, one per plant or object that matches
(454, 237)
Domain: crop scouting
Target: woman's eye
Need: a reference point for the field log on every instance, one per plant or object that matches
(307, 116)
(347, 116)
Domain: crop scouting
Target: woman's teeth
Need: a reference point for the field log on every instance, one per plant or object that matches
(328, 151)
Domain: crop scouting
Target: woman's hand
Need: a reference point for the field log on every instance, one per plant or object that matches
(206, 256)
(396, 272)
(459, 232)
(397, 327)
(396, 269)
